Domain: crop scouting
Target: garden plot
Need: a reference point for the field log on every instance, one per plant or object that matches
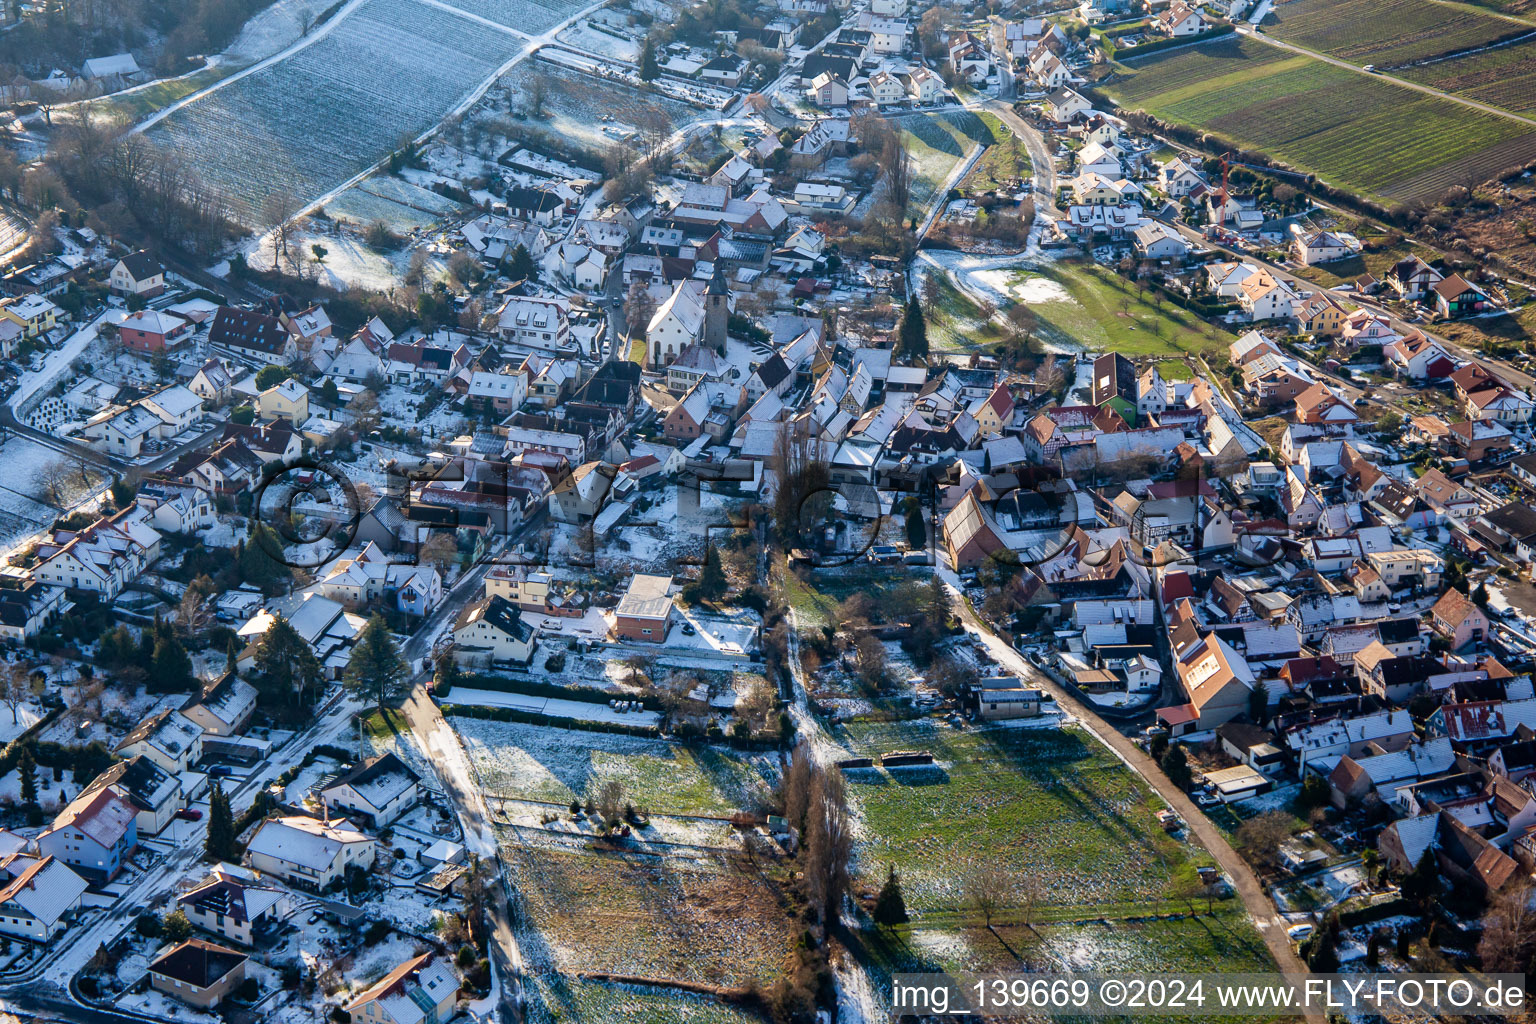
(305, 124)
(588, 37)
(555, 766)
(575, 105)
(701, 921)
(1052, 805)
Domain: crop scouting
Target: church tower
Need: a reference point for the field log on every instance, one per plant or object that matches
(717, 310)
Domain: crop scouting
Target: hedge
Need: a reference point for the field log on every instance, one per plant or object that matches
(1376, 912)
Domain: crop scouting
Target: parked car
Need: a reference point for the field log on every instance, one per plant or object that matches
(220, 771)
(190, 814)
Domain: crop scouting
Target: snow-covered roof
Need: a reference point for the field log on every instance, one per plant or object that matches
(305, 842)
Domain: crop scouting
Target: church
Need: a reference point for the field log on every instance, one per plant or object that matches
(695, 312)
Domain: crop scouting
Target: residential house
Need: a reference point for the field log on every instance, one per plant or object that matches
(34, 314)
(1313, 247)
(288, 401)
(493, 630)
(156, 795)
(138, 274)
(1458, 619)
(252, 335)
(152, 331)
(95, 835)
(376, 792)
(212, 382)
(234, 908)
(169, 738)
(223, 708)
(423, 990)
(198, 973)
(309, 853)
(644, 613)
(39, 893)
(1456, 296)
(103, 558)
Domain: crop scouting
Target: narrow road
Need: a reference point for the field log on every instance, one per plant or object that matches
(1271, 926)
(1269, 40)
(441, 744)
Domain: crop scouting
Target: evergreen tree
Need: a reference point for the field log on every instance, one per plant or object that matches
(26, 769)
(376, 671)
(287, 670)
(221, 825)
(329, 392)
(1176, 766)
(890, 906)
(1258, 704)
(259, 564)
(272, 375)
(917, 528)
(711, 583)
(520, 265)
(231, 653)
(171, 668)
(913, 331)
(649, 69)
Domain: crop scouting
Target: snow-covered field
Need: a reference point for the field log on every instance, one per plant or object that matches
(23, 499)
(305, 124)
(274, 29)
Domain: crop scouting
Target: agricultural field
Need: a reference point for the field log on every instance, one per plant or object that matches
(1049, 805)
(691, 919)
(540, 763)
(1387, 33)
(1504, 77)
(936, 143)
(1354, 131)
(304, 125)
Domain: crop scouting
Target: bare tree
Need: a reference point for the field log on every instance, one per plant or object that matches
(306, 22)
(828, 846)
(795, 789)
(985, 885)
(1509, 931)
(440, 551)
(278, 212)
(896, 172)
(15, 687)
(610, 800)
(57, 481)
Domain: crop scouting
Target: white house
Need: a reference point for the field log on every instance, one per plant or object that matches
(39, 894)
(137, 274)
(309, 853)
(375, 792)
(492, 630)
(169, 739)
